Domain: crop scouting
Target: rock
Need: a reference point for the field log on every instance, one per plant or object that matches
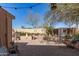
(77, 45)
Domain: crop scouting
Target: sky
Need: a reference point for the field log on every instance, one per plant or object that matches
(23, 10)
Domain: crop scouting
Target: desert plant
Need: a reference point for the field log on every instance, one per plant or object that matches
(76, 36)
(67, 37)
(49, 30)
(22, 34)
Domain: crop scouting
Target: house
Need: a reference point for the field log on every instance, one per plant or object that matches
(5, 28)
(59, 32)
(56, 31)
(30, 32)
(65, 31)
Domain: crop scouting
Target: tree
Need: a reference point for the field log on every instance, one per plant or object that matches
(50, 18)
(53, 15)
(69, 13)
(33, 19)
(73, 17)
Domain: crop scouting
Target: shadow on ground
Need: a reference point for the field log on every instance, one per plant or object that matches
(45, 50)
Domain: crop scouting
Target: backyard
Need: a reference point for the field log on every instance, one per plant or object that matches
(39, 29)
(28, 47)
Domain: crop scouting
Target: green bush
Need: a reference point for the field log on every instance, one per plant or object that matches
(76, 36)
(22, 34)
(68, 37)
(49, 30)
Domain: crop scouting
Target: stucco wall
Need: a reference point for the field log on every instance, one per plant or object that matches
(35, 30)
(9, 28)
(5, 28)
(2, 27)
(77, 31)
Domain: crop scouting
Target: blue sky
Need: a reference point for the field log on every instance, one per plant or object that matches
(21, 13)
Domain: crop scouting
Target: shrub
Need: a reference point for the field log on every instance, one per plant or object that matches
(49, 30)
(22, 34)
(76, 36)
(67, 37)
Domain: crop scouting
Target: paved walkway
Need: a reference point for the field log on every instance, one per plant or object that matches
(35, 49)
